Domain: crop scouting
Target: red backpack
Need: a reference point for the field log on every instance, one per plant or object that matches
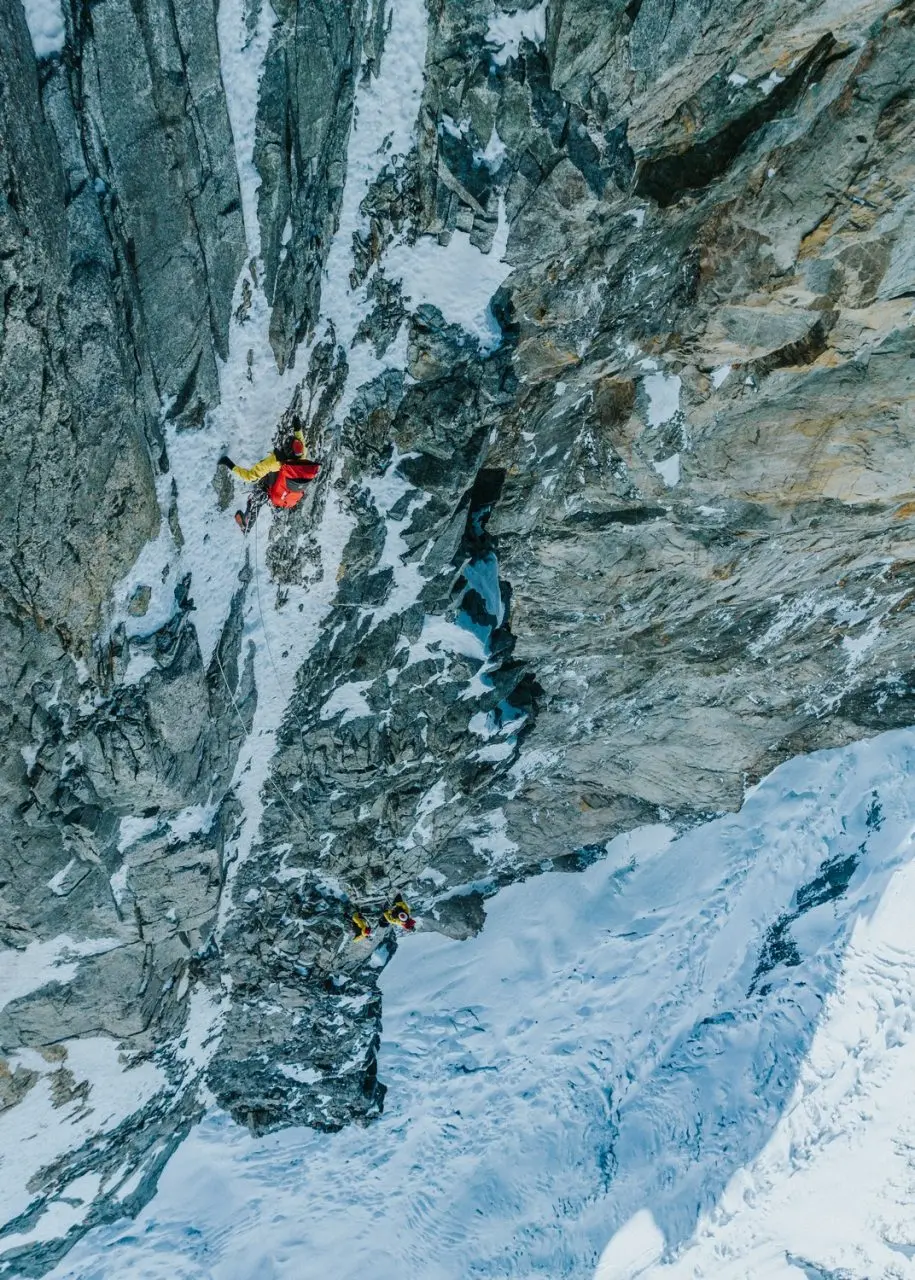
(289, 484)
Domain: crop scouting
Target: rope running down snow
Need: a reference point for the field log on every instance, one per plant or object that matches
(268, 781)
(260, 609)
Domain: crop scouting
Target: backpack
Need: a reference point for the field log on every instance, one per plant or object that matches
(291, 479)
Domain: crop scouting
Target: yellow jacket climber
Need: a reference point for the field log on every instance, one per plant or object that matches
(259, 470)
(399, 914)
(271, 463)
(292, 471)
(361, 927)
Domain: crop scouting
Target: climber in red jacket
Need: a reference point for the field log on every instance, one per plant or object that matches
(281, 478)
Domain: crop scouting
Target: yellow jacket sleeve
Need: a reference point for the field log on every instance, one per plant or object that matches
(259, 470)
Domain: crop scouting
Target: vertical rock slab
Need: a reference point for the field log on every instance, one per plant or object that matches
(303, 127)
(79, 498)
(160, 140)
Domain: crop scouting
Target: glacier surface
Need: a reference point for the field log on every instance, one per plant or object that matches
(692, 1059)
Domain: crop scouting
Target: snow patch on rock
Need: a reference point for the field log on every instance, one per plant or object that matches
(348, 702)
(40, 963)
(507, 28)
(669, 470)
(663, 391)
(45, 21)
(457, 278)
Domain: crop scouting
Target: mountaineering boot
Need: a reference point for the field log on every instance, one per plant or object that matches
(399, 914)
(361, 928)
(240, 521)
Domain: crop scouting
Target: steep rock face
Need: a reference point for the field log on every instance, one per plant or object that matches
(304, 117)
(707, 511)
(84, 392)
(759, 525)
(603, 556)
(181, 236)
(116, 304)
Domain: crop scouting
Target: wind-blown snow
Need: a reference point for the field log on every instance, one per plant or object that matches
(831, 1192)
(45, 21)
(632, 1250)
(623, 1046)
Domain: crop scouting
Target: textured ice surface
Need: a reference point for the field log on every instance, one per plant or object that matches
(707, 1038)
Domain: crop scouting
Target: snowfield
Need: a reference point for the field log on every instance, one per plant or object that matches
(693, 1059)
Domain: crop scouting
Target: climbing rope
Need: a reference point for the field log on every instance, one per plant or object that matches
(260, 609)
(244, 728)
(389, 880)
